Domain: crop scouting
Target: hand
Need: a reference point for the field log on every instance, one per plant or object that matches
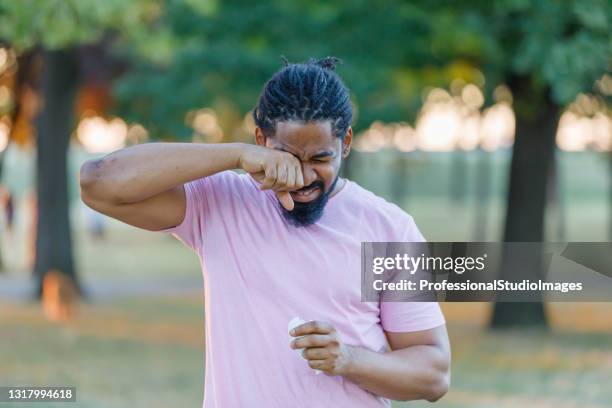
(322, 347)
(274, 169)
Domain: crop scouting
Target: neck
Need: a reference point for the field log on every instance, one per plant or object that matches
(338, 185)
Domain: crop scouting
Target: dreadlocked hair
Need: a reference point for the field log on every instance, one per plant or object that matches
(305, 92)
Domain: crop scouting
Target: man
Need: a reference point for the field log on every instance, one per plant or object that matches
(283, 241)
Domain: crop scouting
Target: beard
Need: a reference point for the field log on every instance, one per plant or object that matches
(305, 214)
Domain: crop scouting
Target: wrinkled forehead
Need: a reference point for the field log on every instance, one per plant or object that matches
(305, 139)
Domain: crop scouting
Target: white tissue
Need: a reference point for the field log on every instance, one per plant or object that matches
(293, 323)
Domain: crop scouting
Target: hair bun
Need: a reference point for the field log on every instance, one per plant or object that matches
(328, 63)
(325, 63)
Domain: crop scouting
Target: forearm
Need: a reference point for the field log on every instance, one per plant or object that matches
(140, 172)
(417, 372)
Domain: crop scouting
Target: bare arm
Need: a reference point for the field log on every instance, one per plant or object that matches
(417, 367)
(143, 185)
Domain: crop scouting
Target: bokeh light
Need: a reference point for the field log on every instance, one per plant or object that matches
(137, 134)
(404, 138)
(438, 127)
(4, 136)
(97, 135)
(205, 125)
(447, 123)
(498, 127)
(576, 133)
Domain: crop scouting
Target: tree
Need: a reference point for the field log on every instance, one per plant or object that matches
(554, 51)
(547, 52)
(58, 29)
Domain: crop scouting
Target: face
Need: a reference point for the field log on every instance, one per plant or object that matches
(321, 154)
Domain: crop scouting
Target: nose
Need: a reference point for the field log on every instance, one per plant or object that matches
(309, 174)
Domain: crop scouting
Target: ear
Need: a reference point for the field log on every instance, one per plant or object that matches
(260, 138)
(346, 143)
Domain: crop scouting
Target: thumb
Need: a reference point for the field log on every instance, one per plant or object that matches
(285, 199)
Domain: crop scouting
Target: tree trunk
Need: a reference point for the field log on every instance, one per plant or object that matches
(483, 194)
(3, 209)
(610, 196)
(532, 156)
(26, 77)
(458, 177)
(398, 177)
(54, 125)
(557, 199)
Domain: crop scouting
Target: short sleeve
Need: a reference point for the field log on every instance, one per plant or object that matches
(189, 231)
(410, 316)
(202, 196)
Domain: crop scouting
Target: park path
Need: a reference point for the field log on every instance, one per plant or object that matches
(19, 287)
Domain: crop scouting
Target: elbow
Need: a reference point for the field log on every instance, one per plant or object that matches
(431, 389)
(89, 180)
(438, 387)
(87, 175)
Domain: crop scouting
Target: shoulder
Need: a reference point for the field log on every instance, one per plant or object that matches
(388, 221)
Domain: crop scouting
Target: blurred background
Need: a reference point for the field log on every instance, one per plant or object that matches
(486, 121)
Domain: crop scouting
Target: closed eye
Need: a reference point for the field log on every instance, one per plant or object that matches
(322, 157)
(322, 160)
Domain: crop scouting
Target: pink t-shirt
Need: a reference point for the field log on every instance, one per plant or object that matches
(260, 272)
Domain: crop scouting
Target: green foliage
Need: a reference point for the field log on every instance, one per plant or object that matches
(391, 49)
(63, 23)
(566, 46)
(188, 54)
(227, 55)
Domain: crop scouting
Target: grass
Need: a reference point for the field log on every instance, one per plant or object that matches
(530, 368)
(131, 353)
(149, 352)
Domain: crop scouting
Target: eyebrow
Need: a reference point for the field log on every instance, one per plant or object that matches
(320, 155)
(323, 155)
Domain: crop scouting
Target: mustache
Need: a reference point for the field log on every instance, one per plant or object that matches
(314, 184)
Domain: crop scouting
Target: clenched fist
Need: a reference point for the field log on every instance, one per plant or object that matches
(322, 347)
(274, 169)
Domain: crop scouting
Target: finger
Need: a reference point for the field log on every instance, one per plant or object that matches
(315, 353)
(318, 364)
(291, 178)
(270, 178)
(299, 177)
(285, 200)
(281, 177)
(312, 327)
(313, 340)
